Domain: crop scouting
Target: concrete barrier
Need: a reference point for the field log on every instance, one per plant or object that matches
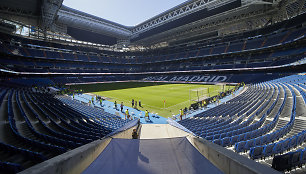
(127, 134)
(71, 162)
(228, 161)
(76, 160)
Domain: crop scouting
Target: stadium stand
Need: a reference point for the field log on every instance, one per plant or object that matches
(277, 49)
(260, 43)
(266, 126)
(38, 127)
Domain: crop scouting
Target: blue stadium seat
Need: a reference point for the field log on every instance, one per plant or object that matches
(286, 144)
(9, 167)
(239, 147)
(303, 157)
(295, 158)
(209, 138)
(223, 135)
(264, 139)
(217, 141)
(242, 137)
(300, 138)
(249, 144)
(282, 162)
(256, 152)
(226, 141)
(278, 148)
(234, 139)
(257, 141)
(268, 150)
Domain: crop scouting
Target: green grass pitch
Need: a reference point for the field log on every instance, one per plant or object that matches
(153, 95)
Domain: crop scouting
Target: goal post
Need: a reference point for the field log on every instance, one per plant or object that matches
(222, 87)
(199, 94)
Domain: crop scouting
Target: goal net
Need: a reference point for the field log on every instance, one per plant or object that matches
(199, 94)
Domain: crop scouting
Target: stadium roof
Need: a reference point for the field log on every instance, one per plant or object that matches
(122, 12)
(54, 16)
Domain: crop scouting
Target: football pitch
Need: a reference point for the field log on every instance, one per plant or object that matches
(164, 99)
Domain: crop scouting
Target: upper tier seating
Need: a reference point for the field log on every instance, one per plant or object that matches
(278, 45)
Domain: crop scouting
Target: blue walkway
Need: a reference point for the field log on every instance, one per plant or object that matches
(109, 107)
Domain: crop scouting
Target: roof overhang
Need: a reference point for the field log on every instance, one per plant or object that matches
(77, 19)
(172, 33)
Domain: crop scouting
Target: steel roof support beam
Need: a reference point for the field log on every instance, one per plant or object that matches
(49, 11)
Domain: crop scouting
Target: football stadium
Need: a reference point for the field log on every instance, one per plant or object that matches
(205, 86)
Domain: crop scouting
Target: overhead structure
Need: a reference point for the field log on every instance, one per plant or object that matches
(178, 19)
(193, 19)
(27, 11)
(49, 11)
(78, 24)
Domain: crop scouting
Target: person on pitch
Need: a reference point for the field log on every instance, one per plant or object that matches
(147, 114)
(121, 107)
(115, 105)
(181, 114)
(135, 105)
(127, 115)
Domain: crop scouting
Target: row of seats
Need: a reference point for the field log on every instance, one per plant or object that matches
(109, 120)
(216, 132)
(277, 129)
(49, 139)
(260, 136)
(216, 62)
(286, 144)
(8, 167)
(39, 126)
(77, 121)
(278, 33)
(70, 125)
(289, 160)
(290, 136)
(231, 47)
(205, 58)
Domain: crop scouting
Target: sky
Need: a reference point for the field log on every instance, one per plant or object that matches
(125, 12)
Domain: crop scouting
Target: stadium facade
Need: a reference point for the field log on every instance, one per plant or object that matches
(259, 42)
